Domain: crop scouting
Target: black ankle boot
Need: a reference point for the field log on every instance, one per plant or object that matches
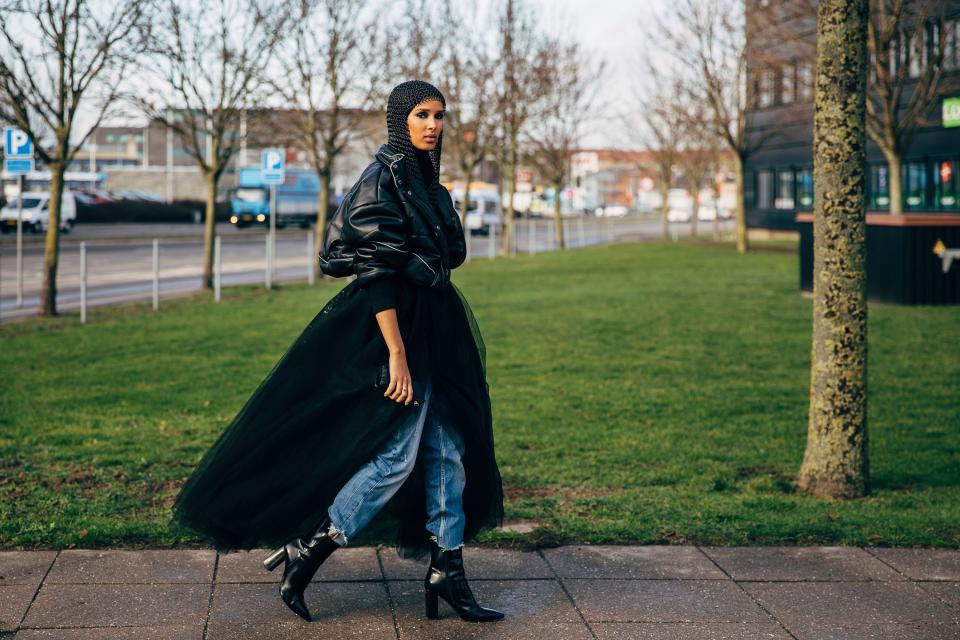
(446, 579)
(302, 559)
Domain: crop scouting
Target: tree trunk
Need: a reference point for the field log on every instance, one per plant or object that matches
(835, 463)
(511, 181)
(209, 228)
(695, 195)
(51, 250)
(664, 206)
(895, 178)
(465, 207)
(741, 212)
(557, 216)
(323, 206)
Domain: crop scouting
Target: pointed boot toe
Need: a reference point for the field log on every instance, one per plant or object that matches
(301, 560)
(446, 579)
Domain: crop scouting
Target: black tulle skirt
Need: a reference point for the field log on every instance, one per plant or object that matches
(318, 416)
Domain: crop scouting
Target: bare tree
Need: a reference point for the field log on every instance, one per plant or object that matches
(207, 62)
(332, 74)
(708, 38)
(697, 157)
(471, 113)
(417, 39)
(663, 125)
(553, 137)
(56, 58)
(906, 79)
(835, 463)
(523, 79)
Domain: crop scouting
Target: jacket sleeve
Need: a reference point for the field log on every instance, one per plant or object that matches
(456, 241)
(378, 232)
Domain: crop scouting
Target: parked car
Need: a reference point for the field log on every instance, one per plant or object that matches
(296, 199)
(483, 212)
(36, 212)
(611, 211)
(679, 205)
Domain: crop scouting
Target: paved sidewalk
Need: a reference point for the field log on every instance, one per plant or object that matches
(591, 591)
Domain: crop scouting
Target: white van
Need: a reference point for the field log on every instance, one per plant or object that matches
(36, 212)
(483, 212)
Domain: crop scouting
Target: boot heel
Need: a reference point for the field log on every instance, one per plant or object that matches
(432, 604)
(274, 560)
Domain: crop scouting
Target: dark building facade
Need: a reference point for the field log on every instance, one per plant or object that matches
(779, 175)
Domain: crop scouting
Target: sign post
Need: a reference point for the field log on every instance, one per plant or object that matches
(272, 171)
(18, 160)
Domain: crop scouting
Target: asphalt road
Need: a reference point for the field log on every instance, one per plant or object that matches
(119, 257)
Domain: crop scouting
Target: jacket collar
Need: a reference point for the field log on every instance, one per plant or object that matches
(409, 189)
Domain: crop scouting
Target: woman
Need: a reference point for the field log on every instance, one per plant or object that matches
(381, 405)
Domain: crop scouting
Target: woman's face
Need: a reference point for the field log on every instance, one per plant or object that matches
(425, 123)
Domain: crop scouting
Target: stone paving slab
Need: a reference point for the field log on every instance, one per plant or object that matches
(104, 605)
(923, 564)
(608, 592)
(14, 602)
(876, 632)
(24, 568)
(635, 562)
(850, 603)
(800, 563)
(358, 563)
(603, 600)
(172, 632)
(341, 602)
(688, 631)
(949, 592)
(154, 566)
(477, 562)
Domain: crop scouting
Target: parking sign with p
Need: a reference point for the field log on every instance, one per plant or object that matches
(18, 156)
(272, 166)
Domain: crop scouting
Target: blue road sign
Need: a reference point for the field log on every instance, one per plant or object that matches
(19, 151)
(272, 166)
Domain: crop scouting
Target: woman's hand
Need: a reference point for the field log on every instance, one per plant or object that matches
(400, 388)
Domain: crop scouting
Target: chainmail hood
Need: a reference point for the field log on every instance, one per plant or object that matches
(422, 165)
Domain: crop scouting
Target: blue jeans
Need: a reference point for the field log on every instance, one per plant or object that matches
(372, 486)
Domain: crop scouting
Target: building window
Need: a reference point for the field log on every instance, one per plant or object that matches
(805, 81)
(765, 87)
(784, 198)
(805, 189)
(946, 185)
(915, 185)
(917, 51)
(787, 84)
(951, 48)
(879, 186)
(764, 189)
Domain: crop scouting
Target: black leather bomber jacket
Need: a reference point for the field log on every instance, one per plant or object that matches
(386, 227)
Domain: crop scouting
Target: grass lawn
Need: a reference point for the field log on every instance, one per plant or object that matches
(648, 393)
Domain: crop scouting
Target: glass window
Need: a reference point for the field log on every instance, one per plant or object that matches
(250, 195)
(915, 185)
(879, 186)
(951, 50)
(784, 190)
(805, 81)
(917, 52)
(787, 84)
(805, 189)
(764, 189)
(945, 185)
(765, 88)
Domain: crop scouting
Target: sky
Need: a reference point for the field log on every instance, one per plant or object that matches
(609, 29)
(613, 30)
